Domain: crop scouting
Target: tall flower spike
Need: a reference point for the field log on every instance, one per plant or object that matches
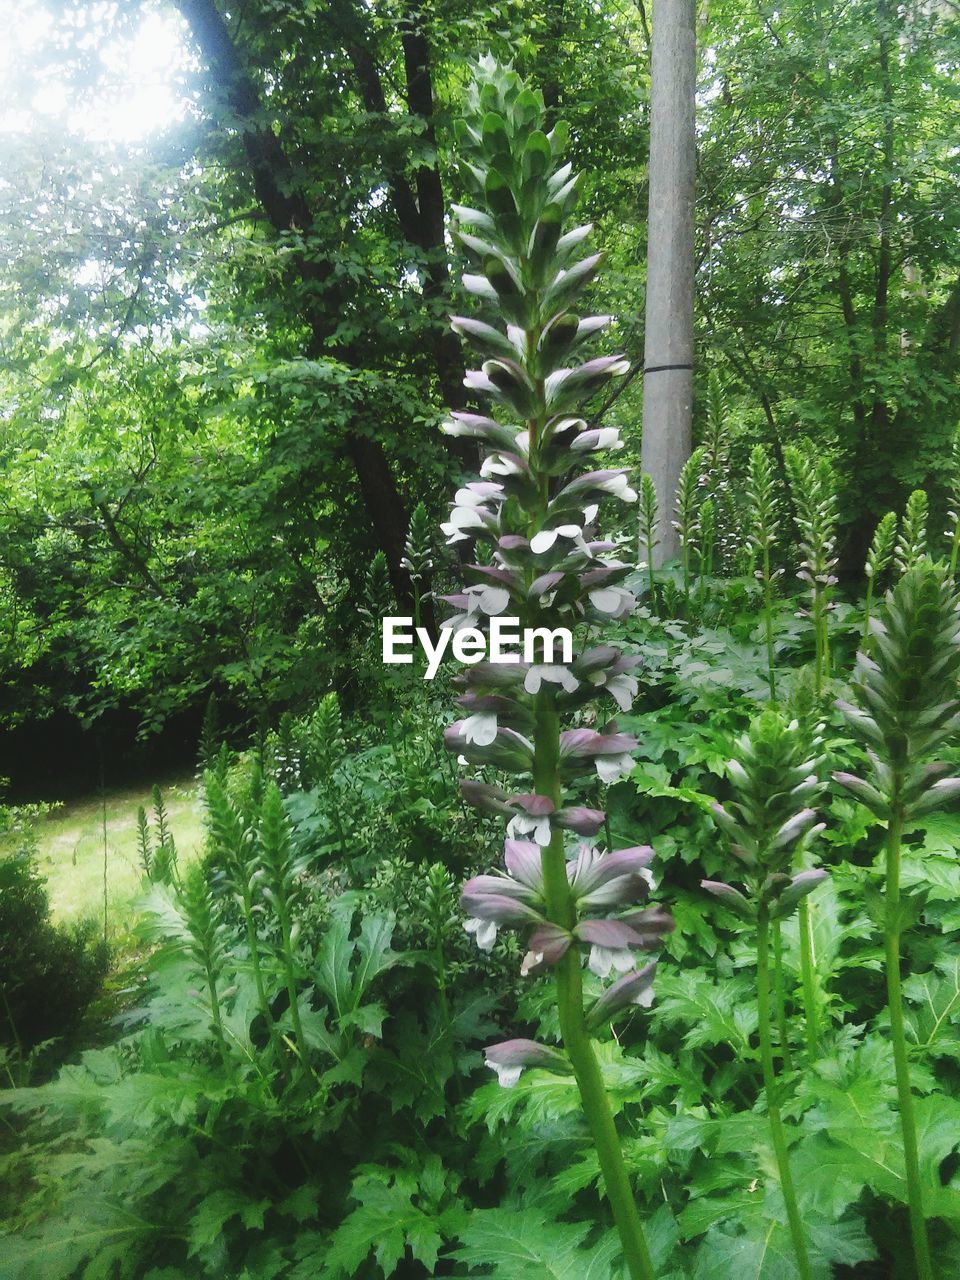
(772, 819)
(535, 508)
(648, 530)
(769, 826)
(906, 709)
(879, 556)
(762, 536)
(814, 495)
(689, 496)
(912, 542)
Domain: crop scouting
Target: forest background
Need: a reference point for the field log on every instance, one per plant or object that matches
(223, 344)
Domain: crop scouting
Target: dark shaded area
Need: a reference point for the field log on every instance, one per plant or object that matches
(57, 759)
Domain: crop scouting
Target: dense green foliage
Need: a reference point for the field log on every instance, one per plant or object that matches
(224, 355)
(49, 973)
(224, 359)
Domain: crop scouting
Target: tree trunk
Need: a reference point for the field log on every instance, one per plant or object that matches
(668, 338)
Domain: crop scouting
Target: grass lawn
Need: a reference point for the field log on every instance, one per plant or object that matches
(70, 854)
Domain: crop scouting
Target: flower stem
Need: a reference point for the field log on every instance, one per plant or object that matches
(867, 610)
(561, 909)
(779, 997)
(768, 623)
(773, 1107)
(918, 1226)
(808, 975)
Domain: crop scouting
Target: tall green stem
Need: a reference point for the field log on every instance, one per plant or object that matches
(561, 909)
(445, 1019)
(819, 666)
(918, 1226)
(867, 609)
(289, 970)
(808, 977)
(215, 1011)
(773, 1107)
(253, 943)
(768, 623)
(779, 997)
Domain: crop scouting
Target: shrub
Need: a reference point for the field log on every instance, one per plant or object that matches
(49, 973)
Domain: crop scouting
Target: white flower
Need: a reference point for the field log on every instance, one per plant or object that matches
(590, 513)
(492, 600)
(481, 728)
(623, 689)
(618, 487)
(613, 601)
(495, 464)
(603, 959)
(451, 533)
(611, 768)
(621, 686)
(530, 961)
(506, 1076)
(484, 932)
(545, 539)
(551, 674)
(525, 824)
(597, 440)
(467, 516)
(644, 998)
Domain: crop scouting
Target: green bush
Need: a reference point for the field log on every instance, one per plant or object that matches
(49, 973)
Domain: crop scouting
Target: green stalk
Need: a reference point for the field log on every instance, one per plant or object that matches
(561, 909)
(866, 613)
(773, 1107)
(918, 1225)
(283, 917)
(808, 976)
(215, 1012)
(818, 668)
(253, 943)
(768, 623)
(446, 1020)
(779, 997)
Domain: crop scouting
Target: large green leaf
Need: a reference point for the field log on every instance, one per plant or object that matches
(514, 1243)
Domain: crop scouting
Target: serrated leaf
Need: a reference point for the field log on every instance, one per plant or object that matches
(387, 1223)
(522, 1242)
(218, 1208)
(935, 996)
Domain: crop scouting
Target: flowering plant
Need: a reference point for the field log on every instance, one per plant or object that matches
(535, 505)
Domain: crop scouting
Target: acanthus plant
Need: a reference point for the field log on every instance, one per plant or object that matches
(912, 542)
(879, 558)
(534, 508)
(906, 709)
(769, 826)
(762, 536)
(814, 496)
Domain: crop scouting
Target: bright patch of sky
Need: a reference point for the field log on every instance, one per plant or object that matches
(102, 80)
